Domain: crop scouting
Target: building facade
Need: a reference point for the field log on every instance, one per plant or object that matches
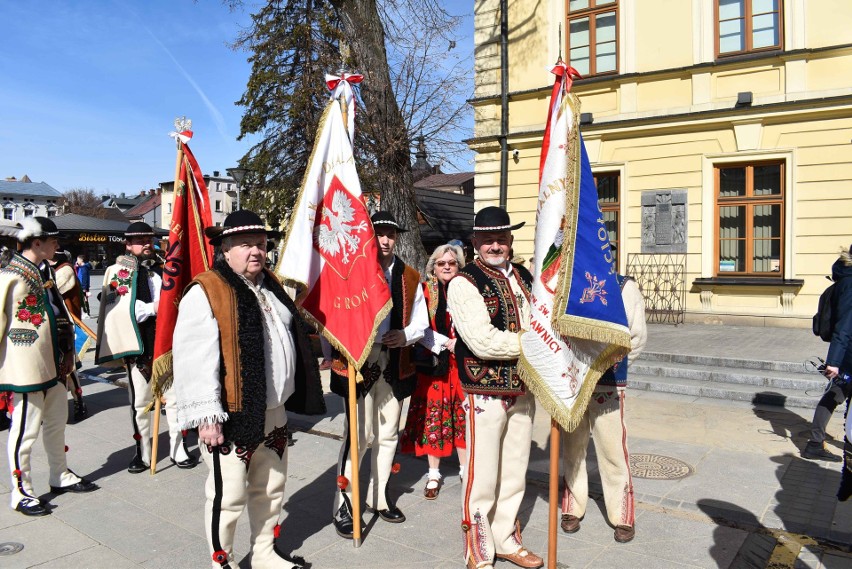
(718, 130)
(223, 198)
(25, 198)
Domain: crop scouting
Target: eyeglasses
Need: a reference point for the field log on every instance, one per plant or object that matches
(445, 263)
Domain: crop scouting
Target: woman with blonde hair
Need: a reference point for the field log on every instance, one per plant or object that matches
(436, 420)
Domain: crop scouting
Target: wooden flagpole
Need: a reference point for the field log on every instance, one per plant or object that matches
(155, 432)
(553, 497)
(354, 477)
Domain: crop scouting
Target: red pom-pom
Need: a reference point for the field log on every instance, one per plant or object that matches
(79, 391)
(465, 525)
(137, 437)
(342, 482)
(183, 432)
(66, 448)
(17, 474)
(220, 557)
(276, 531)
(395, 468)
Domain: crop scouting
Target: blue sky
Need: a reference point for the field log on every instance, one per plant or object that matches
(89, 90)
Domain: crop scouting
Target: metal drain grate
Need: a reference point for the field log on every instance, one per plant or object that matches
(658, 467)
(10, 548)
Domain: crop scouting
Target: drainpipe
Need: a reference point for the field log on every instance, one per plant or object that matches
(504, 101)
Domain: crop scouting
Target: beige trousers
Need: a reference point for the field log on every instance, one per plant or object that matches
(499, 434)
(604, 420)
(141, 396)
(378, 426)
(243, 479)
(45, 412)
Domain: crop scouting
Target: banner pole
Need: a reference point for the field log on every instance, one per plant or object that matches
(155, 431)
(553, 497)
(355, 481)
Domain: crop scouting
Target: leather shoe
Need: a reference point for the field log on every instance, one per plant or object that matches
(393, 514)
(81, 487)
(343, 523)
(623, 534)
(522, 558)
(190, 462)
(30, 507)
(137, 465)
(570, 524)
(80, 411)
(432, 493)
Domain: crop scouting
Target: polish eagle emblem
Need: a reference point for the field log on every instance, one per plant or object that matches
(336, 234)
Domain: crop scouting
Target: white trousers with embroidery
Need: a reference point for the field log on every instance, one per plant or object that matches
(378, 426)
(499, 434)
(604, 420)
(45, 412)
(139, 392)
(233, 486)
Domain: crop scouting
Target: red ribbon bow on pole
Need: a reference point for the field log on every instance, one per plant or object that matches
(341, 85)
(568, 73)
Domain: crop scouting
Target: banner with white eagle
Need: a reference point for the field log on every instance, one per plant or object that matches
(330, 253)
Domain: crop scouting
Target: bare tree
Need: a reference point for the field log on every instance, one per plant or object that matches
(83, 201)
(411, 87)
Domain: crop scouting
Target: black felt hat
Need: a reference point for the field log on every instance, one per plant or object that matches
(237, 223)
(138, 229)
(37, 227)
(493, 218)
(386, 219)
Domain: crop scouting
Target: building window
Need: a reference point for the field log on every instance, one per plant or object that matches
(9, 212)
(744, 26)
(233, 207)
(608, 200)
(750, 213)
(218, 205)
(170, 207)
(592, 36)
(29, 210)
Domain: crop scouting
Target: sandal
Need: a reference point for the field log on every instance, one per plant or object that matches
(433, 487)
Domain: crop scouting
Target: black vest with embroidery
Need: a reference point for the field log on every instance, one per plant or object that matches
(493, 377)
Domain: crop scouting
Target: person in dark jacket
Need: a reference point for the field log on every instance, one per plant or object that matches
(838, 362)
(83, 269)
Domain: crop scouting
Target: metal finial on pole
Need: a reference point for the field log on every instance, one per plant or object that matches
(560, 42)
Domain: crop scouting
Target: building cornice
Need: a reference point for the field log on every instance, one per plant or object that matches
(709, 117)
(724, 64)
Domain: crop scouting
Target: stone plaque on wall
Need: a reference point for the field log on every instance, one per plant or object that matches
(664, 221)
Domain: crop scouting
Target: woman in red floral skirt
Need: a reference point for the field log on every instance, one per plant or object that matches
(435, 423)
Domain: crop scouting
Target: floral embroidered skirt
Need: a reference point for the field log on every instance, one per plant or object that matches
(435, 423)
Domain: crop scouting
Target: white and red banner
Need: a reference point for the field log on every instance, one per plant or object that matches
(578, 327)
(330, 252)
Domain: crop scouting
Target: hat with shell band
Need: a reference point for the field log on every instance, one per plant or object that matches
(138, 229)
(493, 218)
(240, 222)
(36, 227)
(386, 219)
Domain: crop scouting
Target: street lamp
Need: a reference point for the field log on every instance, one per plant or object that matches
(237, 174)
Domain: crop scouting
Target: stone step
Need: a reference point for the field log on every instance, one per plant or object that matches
(771, 379)
(756, 394)
(713, 361)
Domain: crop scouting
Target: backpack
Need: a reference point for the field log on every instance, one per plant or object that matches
(824, 319)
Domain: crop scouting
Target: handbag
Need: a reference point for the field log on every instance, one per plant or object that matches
(428, 363)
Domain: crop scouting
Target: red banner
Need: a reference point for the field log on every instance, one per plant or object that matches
(188, 254)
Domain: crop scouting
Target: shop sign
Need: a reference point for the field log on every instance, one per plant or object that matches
(92, 238)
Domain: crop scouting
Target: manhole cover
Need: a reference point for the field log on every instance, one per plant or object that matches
(658, 467)
(10, 548)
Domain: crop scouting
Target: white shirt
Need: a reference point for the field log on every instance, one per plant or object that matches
(196, 356)
(419, 315)
(146, 310)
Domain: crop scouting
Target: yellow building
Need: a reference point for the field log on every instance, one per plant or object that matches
(719, 132)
